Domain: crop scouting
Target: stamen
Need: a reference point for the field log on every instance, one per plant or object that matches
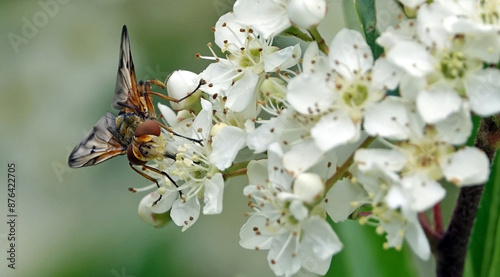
(146, 188)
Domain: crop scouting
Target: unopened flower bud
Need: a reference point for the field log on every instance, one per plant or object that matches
(147, 214)
(309, 187)
(306, 13)
(180, 84)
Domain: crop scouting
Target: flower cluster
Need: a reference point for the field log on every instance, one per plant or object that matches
(311, 110)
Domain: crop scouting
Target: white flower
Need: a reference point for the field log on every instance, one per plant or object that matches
(478, 21)
(392, 203)
(425, 154)
(294, 233)
(197, 165)
(291, 130)
(337, 98)
(248, 57)
(448, 61)
(404, 180)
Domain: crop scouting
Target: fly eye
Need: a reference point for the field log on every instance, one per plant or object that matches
(148, 127)
(132, 158)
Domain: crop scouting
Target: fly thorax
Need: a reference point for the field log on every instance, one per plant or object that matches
(126, 125)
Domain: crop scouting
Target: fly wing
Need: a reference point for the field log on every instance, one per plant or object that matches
(98, 145)
(126, 98)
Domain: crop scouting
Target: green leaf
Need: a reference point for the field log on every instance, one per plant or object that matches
(349, 11)
(484, 248)
(363, 254)
(366, 21)
(476, 120)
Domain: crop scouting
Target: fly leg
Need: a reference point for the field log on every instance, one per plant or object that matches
(153, 179)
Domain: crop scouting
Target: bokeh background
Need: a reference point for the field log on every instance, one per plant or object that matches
(58, 68)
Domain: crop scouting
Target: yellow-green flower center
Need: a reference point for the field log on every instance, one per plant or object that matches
(249, 57)
(490, 14)
(355, 95)
(426, 154)
(454, 65)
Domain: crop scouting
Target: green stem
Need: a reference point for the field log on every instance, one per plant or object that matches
(296, 32)
(342, 170)
(236, 169)
(319, 39)
(235, 173)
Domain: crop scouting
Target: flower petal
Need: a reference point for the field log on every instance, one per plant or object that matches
(483, 89)
(254, 234)
(257, 173)
(350, 54)
(269, 18)
(202, 124)
(468, 166)
(422, 193)
(185, 214)
(340, 198)
(301, 157)
(168, 114)
(242, 92)
(214, 188)
(298, 210)
(388, 118)
(319, 236)
(277, 176)
(226, 145)
(283, 257)
(417, 64)
(436, 104)
(310, 93)
(389, 160)
(227, 35)
(267, 133)
(417, 240)
(456, 128)
(385, 75)
(335, 129)
(282, 59)
(218, 78)
(314, 60)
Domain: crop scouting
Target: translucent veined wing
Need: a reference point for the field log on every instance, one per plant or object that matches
(98, 145)
(127, 97)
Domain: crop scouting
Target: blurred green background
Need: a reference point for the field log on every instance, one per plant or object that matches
(58, 67)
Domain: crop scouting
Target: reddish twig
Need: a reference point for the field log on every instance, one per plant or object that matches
(438, 219)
